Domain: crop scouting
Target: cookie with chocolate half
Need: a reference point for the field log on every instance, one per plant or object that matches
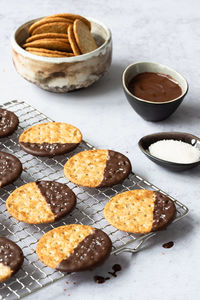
(8, 122)
(140, 211)
(97, 168)
(73, 248)
(50, 139)
(10, 168)
(40, 202)
(11, 258)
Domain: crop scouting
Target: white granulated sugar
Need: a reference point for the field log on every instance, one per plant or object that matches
(175, 151)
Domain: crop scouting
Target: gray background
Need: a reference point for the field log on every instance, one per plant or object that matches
(162, 31)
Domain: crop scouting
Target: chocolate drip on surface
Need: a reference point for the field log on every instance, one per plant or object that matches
(116, 268)
(59, 197)
(118, 167)
(10, 168)
(10, 254)
(164, 211)
(47, 149)
(168, 245)
(100, 279)
(89, 253)
(8, 122)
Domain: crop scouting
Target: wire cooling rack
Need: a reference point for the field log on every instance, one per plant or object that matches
(89, 210)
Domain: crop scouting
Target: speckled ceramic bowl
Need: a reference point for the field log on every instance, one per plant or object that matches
(64, 74)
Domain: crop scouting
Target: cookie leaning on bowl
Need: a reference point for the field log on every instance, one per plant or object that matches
(140, 211)
(97, 168)
(50, 139)
(11, 258)
(40, 202)
(73, 248)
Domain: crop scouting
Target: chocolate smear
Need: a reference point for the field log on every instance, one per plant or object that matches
(59, 197)
(118, 167)
(116, 268)
(100, 279)
(168, 245)
(164, 211)
(47, 149)
(89, 253)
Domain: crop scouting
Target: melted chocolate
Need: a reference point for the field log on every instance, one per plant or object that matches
(118, 167)
(11, 255)
(89, 253)
(168, 245)
(154, 87)
(10, 168)
(100, 279)
(59, 197)
(116, 268)
(47, 149)
(8, 122)
(164, 211)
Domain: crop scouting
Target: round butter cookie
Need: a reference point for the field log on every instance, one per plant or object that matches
(50, 139)
(40, 202)
(140, 211)
(97, 168)
(10, 168)
(73, 248)
(11, 258)
(8, 122)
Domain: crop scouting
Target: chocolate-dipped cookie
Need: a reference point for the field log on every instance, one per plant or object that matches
(73, 248)
(41, 202)
(8, 122)
(11, 258)
(50, 139)
(10, 168)
(140, 211)
(97, 168)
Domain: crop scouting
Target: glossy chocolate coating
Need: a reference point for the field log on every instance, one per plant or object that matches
(154, 87)
(89, 253)
(47, 149)
(10, 168)
(8, 122)
(59, 197)
(11, 255)
(164, 211)
(118, 167)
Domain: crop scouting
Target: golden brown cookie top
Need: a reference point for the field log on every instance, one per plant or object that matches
(140, 211)
(97, 168)
(40, 202)
(73, 247)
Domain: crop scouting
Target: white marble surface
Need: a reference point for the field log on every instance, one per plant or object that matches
(164, 31)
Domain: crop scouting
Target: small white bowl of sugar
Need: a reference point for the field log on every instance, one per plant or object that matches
(175, 150)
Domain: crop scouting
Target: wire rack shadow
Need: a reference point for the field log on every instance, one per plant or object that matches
(89, 210)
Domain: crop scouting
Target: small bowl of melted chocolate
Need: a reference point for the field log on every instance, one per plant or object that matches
(153, 90)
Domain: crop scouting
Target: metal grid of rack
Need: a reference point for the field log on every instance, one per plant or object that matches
(89, 210)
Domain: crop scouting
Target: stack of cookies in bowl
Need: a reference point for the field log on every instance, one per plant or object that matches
(60, 35)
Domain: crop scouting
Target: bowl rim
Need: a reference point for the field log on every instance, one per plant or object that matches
(159, 65)
(82, 57)
(163, 161)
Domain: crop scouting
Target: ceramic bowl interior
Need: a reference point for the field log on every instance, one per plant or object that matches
(147, 140)
(141, 67)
